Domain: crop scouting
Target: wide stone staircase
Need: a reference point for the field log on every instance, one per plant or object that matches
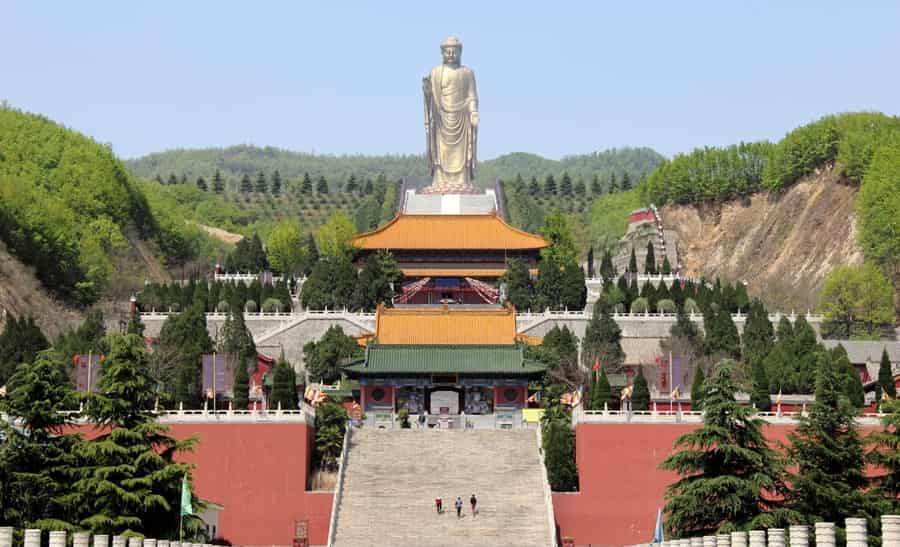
(392, 478)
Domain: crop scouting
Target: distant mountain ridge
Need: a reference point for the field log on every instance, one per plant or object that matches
(234, 161)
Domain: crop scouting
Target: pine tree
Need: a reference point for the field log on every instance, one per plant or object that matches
(828, 451)
(759, 336)
(261, 185)
(172, 179)
(534, 188)
(596, 189)
(183, 179)
(607, 270)
(640, 397)
(128, 481)
(650, 260)
(885, 455)
(613, 186)
(601, 394)
(666, 267)
(885, 382)
(559, 446)
(184, 337)
(246, 185)
(235, 339)
(632, 263)
(352, 185)
(313, 255)
(565, 185)
(519, 288)
(218, 183)
(579, 188)
(284, 387)
(759, 396)
(20, 342)
(368, 187)
(590, 262)
(135, 325)
(853, 388)
(375, 282)
(158, 179)
(730, 478)
(698, 389)
(321, 185)
(201, 184)
(626, 181)
(550, 186)
(307, 186)
(241, 387)
(721, 334)
(602, 342)
(276, 183)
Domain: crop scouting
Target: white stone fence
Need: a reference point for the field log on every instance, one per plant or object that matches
(690, 417)
(583, 314)
(35, 538)
(306, 414)
(326, 313)
(795, 536)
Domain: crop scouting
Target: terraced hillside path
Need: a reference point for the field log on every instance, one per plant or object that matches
(392, 478)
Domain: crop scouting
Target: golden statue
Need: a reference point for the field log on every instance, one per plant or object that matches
(451, 123)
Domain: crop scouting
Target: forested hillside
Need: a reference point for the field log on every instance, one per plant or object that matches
(236, 161)
(71, 211)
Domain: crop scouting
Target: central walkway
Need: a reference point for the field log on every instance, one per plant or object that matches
(393, 476)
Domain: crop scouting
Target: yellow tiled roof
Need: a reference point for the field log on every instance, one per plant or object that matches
(445, 326)
(435, 232)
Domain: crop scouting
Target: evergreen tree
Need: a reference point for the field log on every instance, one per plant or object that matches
(559, 446)
(607, 270)
(218, 183)
(36, 458)
(377, 282)
(201, 184)
(650, 260)
(590, 262)
(666, 267)
(534, 188)
(759, 396)
(721, 334)
(20, 342)
(885, 382)
(246, 185)
(324, 358)
(321, 185)
(368, 187)
(519, 288)
(241, 387)
(885, 455)
(853, 388)
(313, 255)
(261, 185)
(135, 325)
(284, 387)
(613, 185)
(276, 183)
(184, 338)
(632, 263)
(698, 389)
(686, 329)
(159, 179)
(307, 186)
(172, 179)
(596, 189)
(601, 394)
(235, 340)
(759, 337)
(128, 481)
(640, 397)
(183, 179)
(828, 451)
(579, 188)
(602, 342)
(550, 186)
(352, 185)
(565, 185)
(730, 478)
(626, 181)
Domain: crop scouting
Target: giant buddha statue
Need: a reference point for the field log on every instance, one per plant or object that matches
(451, 123)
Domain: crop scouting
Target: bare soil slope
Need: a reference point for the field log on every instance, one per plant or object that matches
(782, 246)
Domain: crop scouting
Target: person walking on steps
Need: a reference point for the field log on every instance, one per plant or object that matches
(473, 502)
(439, 505)
(458, 505)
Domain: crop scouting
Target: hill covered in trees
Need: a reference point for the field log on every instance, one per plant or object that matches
(236, 161)
(72, 212)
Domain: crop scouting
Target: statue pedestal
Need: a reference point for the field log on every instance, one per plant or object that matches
(481, 203)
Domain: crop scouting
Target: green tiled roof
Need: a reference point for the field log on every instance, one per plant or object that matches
(421, 359)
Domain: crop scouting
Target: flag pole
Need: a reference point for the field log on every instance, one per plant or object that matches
(671, 382)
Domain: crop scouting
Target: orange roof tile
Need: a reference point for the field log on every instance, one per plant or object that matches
(433, 232)
(445, 326)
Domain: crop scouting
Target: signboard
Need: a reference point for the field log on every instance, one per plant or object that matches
(218, 376)
(445, 402)
(87, 372)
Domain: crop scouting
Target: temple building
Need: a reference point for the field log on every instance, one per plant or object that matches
(442, 361)
(451, 258)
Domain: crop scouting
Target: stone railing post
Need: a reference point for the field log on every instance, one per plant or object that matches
(118, 541)
(825, 534)
(696, 542)
(81, 539)
(6, 535)
(162, 543)
(709, 541)
(134, 542)
(799, 535)
(101, 540)
(776, 537)
(723, 540)
(58, 538)
(738, 539)
(757, 538)
(149, 542)
(856, 532)
(32, 538)
(890, 530)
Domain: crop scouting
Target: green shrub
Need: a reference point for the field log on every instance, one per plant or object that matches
(640, 305)
(250, 306)
(666, 306)
(222, 307)
(272, 305)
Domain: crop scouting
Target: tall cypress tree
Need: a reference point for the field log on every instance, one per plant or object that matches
(20, 342)
(261, 185)
(759, 337)
(590, 261)
(565, 185)
(218, 183)
(632, 263)
(730, 478)
(607, 270)
(284, 387)
(885, 455)
(559, 445)
(246, 185)
(698, 389)
(885, 377)
(201, 184)
(650, 260)
(759, 396)
(519, 288)
(640, 397)
(322, 185)
(550, 186)
(602, 342)
(601, 392)
(534, 187)
(241, 387)
(596, 189)
(276, 183)
(828, 451)
(307, 186)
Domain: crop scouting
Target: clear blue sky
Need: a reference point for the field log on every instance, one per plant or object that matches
(554, 78)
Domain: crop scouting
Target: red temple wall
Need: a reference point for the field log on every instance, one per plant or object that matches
(621, 487)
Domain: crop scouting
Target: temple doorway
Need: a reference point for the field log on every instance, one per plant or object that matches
(444, 400)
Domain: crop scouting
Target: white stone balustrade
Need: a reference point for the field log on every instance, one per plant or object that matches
(856, 532)
(149, 542)
(738, 539)
(776, 537)
(723, 540)
(757, 538)
(890, 530)
(6, 536)
(101, 540)
(696, 542)
(825, 534)
(57, 539)
(118, 541)
(709, 541)
(81, 539)
(32, 538)
(799, 535)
